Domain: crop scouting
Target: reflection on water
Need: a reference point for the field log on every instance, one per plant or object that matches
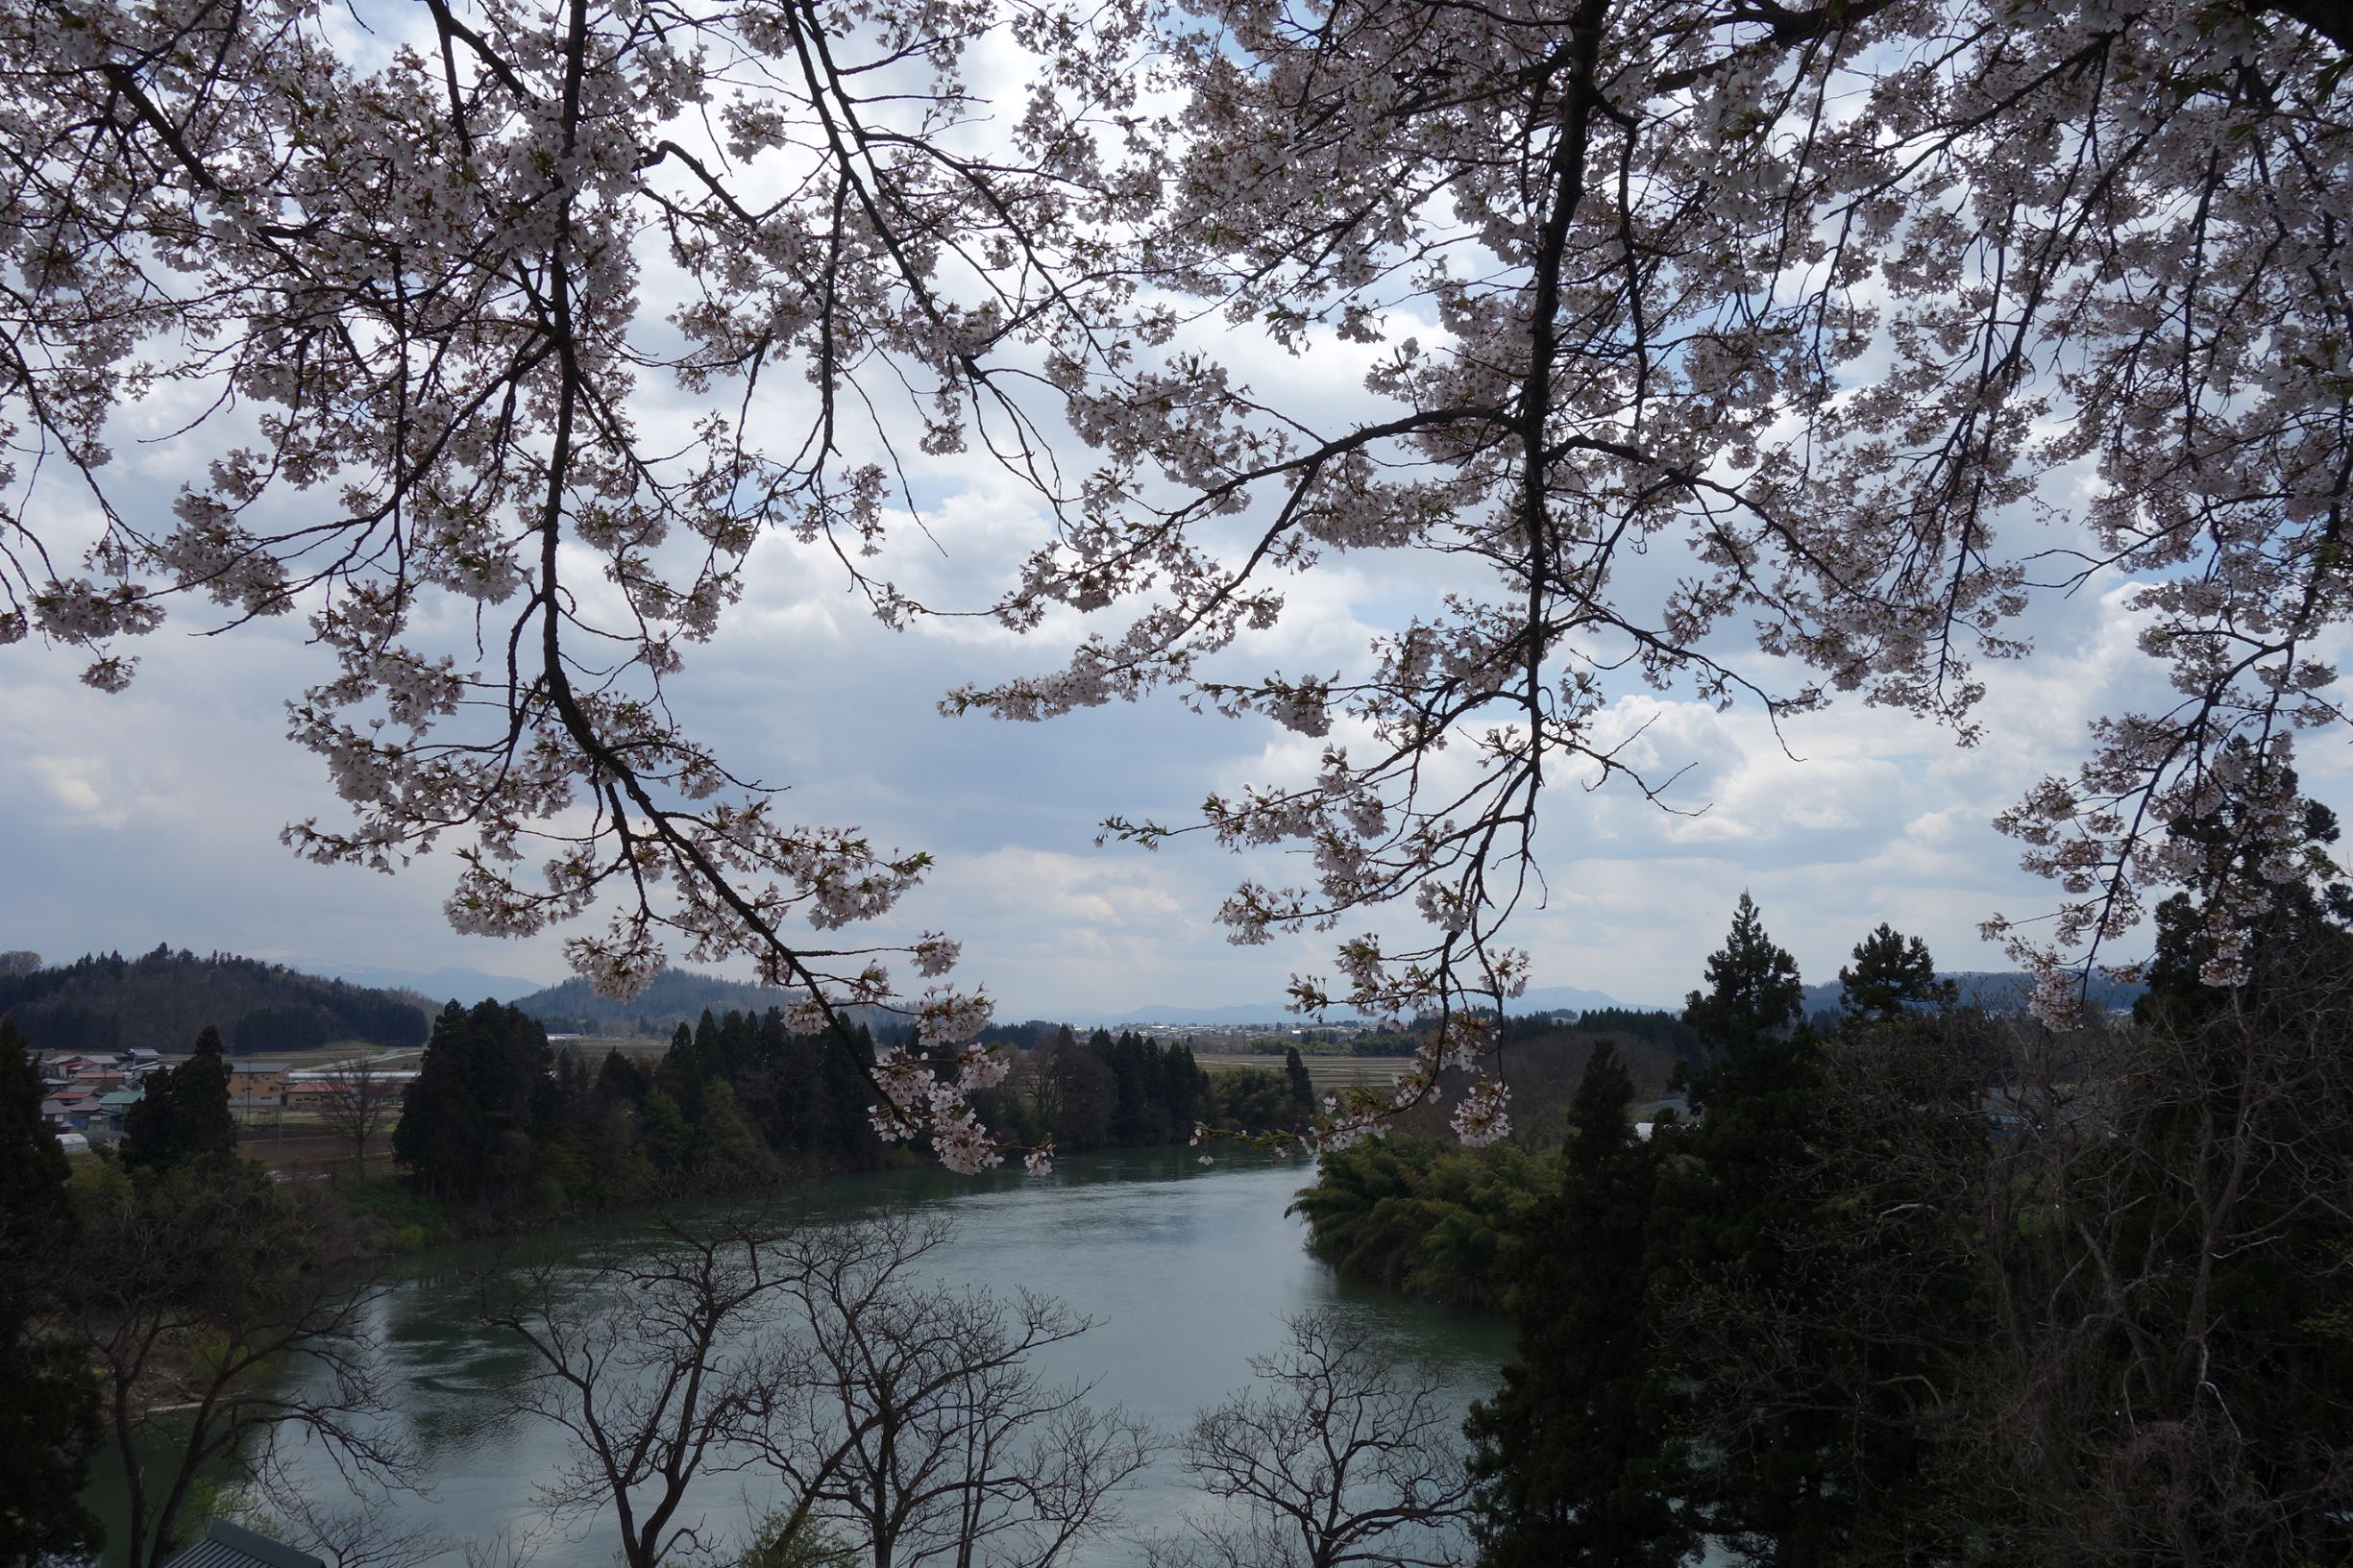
(1188, 1271)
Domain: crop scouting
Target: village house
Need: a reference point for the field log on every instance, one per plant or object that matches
(256, 1085)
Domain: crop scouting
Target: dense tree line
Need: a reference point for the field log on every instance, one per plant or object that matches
(1928, 1286)
(1657, 1025)
(497, 1115)
(159, 1000)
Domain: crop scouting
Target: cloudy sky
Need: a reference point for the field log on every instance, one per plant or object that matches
(154, 816)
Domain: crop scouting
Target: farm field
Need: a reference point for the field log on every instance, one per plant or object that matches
(1324, 1071)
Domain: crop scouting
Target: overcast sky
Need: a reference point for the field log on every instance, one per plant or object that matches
(154, 816)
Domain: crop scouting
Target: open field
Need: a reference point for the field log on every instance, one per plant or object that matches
(1323, 1071)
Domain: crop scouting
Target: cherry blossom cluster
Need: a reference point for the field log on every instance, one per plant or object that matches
(1830, 305)
(919, 1101)
(410, 278)
(1874, 322)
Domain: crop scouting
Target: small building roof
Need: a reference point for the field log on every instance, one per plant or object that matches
(230, 1546)
(122, 1097)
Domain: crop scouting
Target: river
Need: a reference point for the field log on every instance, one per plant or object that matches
(1188, 1270)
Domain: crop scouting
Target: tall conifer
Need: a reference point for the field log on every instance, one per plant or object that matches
(48, 1402)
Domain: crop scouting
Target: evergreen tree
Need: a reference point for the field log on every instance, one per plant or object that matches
(1752, 994)
(483, 1090)
(727, 1151)
(623, 1079)
(183, 1117)
(48, 1401)
(1731, 1203)
(662, 1127)
(1302, 1086)
(619, 1170)
(850, 1142)
(1567, 1454)
(1892, 975)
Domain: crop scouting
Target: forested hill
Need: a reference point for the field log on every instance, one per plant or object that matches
(677, 996)
(163, 999)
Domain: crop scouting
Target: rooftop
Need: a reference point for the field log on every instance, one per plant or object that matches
(227, 1546)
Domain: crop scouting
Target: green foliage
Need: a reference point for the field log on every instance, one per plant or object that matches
(1568, 1455)
(1892, 975)
(786, 1540)
(1424, 1215)
(405, 1219)
(1752, 988)
(1841, 1319)
(48, 1403)
(726, 1151)
(183, 1117)
(1628, 1023)
(468, 1116)
(1301, 1087)
(1248, 1101)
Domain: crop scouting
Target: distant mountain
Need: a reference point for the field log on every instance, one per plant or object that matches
(448, 983)
(161, 1000)
(1551, 998)
(677, 996)
(1996, 991)
(1278, 1015)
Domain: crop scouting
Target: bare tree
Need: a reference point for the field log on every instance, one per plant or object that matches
(223, 1320)
(648, 1360)
(364, 1534)
(360, 1102)
(909, 1417)
(1337, 1455)
(902, 1418)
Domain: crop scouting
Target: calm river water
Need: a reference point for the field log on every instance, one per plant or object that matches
(1187, 1269)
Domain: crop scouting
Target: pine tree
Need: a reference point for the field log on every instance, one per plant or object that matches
(48, 1402)
(1732, 1202)
(1302, 1086)
(1892, 975)
(1752, 994)
(1567, 1457)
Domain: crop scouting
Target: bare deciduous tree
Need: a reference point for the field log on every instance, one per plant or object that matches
(901, 1418)
(362, 1534)
(1338, 1455)
(359, 1101)
(910, 1420)
(223, 1321)
(648, 1360)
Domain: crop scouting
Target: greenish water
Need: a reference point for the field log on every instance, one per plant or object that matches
(1188, 1270)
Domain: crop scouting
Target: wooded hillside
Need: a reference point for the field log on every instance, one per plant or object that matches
(162, 999)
